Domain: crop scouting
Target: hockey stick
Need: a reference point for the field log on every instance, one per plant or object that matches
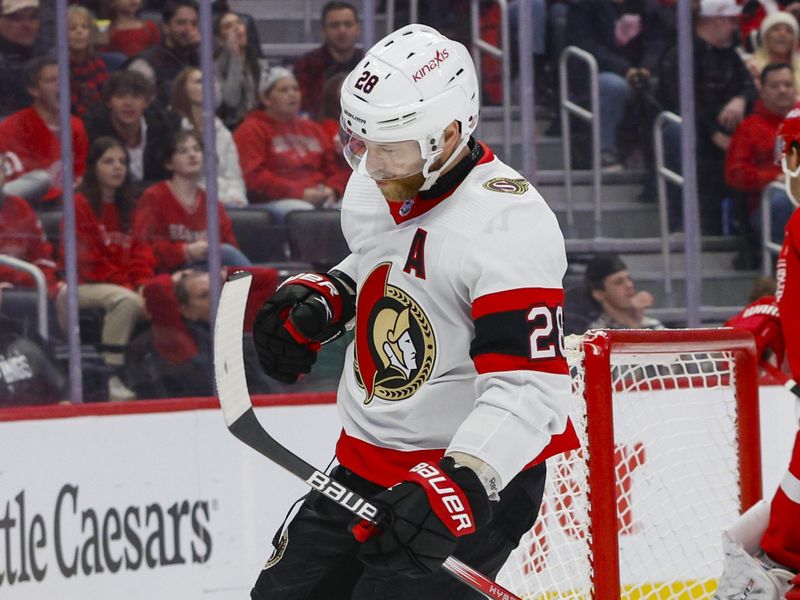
(784, 379)
(237, 408)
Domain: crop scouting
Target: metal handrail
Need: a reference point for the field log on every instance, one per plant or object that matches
(591, 116)
(769, 248)
(664, 175)
(41, 288)
(413, 14)
(501, 53)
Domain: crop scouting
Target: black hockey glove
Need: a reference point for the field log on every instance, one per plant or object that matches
(426, 514)
(306, 311)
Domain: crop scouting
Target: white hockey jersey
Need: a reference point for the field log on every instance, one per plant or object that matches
(459, 327)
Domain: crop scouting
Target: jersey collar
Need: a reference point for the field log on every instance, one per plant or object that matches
(479, 154)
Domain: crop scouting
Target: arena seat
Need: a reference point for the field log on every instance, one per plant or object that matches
(259, 238)
(315, 237)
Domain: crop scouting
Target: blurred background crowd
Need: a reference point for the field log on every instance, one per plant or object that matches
(141, 236)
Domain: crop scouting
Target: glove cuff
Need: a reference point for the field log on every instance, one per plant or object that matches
(473, 487)
(449, 500)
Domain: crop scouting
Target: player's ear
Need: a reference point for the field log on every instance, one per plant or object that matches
(598, 295)
(793, 156)
(452, 135)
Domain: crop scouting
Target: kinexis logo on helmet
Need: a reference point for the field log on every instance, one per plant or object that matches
(440, 56)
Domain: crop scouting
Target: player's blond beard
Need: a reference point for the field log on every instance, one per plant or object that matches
(400, 190)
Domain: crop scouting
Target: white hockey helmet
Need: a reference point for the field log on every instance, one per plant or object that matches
(405, 91)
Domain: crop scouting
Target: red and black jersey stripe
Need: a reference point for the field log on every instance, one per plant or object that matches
(519, 329)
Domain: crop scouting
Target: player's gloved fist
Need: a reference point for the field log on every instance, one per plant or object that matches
(425, 516)
(306, 311)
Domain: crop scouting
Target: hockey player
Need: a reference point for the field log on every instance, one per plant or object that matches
(454, 390)
(762, 549)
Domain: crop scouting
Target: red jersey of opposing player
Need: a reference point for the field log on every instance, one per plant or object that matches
(781, 541)
(762, 319)
(788, 292)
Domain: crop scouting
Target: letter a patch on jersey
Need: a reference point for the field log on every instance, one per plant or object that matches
(416, 255)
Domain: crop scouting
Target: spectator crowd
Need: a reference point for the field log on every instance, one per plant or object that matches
(138, 174)
(138, 163)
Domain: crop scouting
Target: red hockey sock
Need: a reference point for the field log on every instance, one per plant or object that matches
(781, 540)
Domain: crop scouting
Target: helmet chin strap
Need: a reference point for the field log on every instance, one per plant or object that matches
(789, 175)
(431, 177)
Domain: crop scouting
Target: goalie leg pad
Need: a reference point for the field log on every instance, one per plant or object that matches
(744, 577)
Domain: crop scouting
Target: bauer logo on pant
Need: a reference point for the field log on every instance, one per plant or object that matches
(395, 345)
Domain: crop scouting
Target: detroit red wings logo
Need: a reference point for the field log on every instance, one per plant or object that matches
(395, 345)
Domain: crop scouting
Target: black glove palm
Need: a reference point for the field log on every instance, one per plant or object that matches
(425, 518)
(307, 311)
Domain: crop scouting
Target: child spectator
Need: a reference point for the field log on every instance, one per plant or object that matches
(128, 115)
(187, 101)
(330, 111)
(87, 71)
(779, 45)
(112, 265)
(30, 137)
(237, 67)
(128, 34)
(171, 215)
(288, 163)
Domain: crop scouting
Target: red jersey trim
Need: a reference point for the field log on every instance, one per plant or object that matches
(490, 363)
(423, 205)
(383, 466)
(386, 466)
(518, 299)
(559, 443)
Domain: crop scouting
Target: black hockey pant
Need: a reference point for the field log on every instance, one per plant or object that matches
(318, 557)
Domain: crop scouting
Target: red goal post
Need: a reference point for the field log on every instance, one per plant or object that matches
(670, 454)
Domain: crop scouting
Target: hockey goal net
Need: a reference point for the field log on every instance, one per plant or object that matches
(669, 456)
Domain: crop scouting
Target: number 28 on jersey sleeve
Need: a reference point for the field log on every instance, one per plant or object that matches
(521, 329)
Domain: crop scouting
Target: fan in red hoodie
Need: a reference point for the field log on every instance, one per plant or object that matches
(750, 163)
(288, 163)
(180, 310)
(22, 237)
(112, 265)
(30, 137)
(171, 215)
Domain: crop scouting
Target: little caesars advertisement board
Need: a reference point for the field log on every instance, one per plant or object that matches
(168, 505)
(145, 506)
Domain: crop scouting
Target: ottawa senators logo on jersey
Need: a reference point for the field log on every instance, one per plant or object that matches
(507, 185)
(395, 346)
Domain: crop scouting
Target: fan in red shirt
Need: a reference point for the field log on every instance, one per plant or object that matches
(127, 33)
(22, 237)
(773, 566)
(30, 137)
(171, 215)
(340, 30)
(112, 266)
(750, 162)
(288, 163)
(179, 305)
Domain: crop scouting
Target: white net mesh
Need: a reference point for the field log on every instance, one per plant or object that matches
(677, 483)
